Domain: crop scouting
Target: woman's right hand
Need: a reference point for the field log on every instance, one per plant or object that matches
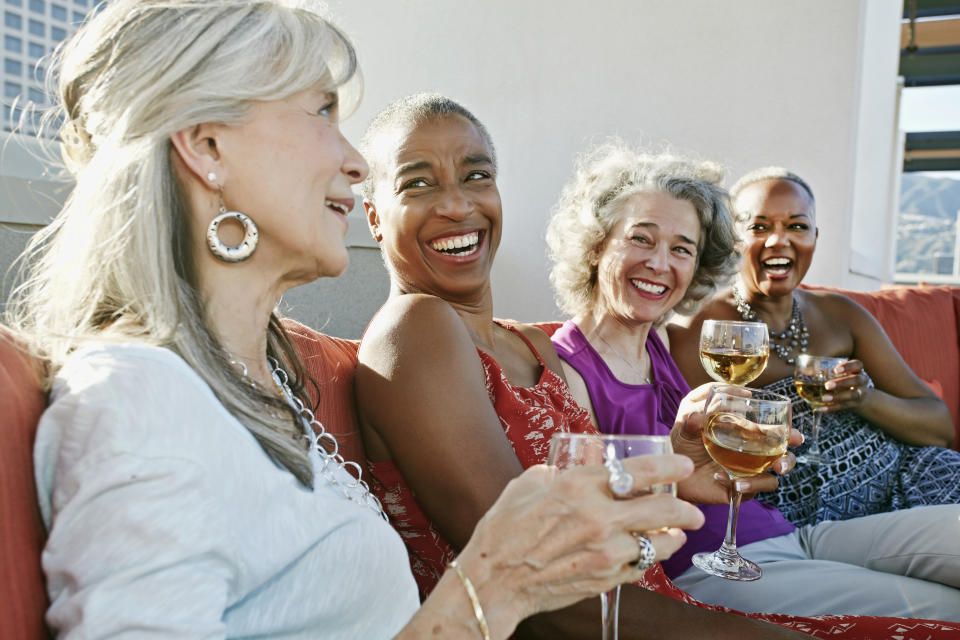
(553, 538)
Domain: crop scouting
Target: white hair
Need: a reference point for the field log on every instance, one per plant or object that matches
(116, 263)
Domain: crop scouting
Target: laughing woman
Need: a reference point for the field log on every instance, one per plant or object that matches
(884, 438)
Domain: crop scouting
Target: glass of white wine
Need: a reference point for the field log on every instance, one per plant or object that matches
(574, 449)
(733, 351)
(809, 377)
(746, 431)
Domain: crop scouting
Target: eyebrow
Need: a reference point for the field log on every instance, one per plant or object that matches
(654, 225)
(420, 165)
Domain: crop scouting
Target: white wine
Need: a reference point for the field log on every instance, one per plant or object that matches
(742, 447)
(811, 390)
(732, 365)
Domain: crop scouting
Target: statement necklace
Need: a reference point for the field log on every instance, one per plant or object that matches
(322, 450)
(794, 338)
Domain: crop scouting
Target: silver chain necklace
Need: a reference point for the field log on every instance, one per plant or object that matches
(645, 378)
(326, 462)
(795, 337)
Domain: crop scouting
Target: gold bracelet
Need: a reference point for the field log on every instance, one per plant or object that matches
(474, 600)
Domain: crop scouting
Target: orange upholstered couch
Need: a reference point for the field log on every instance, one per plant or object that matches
(924, 324)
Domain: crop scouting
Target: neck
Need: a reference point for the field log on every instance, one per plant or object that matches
(775, 311)
(619, 343)
(238, 312)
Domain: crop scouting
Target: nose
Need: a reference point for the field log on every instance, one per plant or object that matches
(658, 259)
(453, 203)
(354, 165)
(776, 238)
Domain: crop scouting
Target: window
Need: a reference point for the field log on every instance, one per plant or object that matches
(82, 3)
(15, 3)
(36, 28)
(12, 67)
(38, 6)
(58, 12)
(36, 95)
(12, 43)
(12, 20)
(78, 17)
(58, 34)
(35, 50)
(11, 90)
(38, 73)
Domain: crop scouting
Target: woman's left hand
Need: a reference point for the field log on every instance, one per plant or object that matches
(848, 390)
(709, 483)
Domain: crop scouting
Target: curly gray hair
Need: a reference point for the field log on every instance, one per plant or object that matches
(589, 207)
(768, 173)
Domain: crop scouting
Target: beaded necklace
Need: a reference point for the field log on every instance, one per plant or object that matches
(795, 337)
(322, 451)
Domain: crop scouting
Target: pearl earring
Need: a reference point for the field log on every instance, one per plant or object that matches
(212, 177)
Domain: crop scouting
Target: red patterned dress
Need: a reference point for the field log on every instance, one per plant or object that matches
(529, 417)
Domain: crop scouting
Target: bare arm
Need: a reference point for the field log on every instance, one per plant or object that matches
(901, 404)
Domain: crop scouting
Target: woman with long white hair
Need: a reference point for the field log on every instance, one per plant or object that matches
(187, 488)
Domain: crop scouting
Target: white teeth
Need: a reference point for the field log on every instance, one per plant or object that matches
(777, 262)
(655, 289)
(339, 207)
(457, 242)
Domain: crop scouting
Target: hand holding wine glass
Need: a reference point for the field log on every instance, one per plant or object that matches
(575, 449)
(733, 351)
(745, 433)
(810, 378)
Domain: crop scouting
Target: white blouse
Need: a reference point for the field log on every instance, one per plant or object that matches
(167, 519)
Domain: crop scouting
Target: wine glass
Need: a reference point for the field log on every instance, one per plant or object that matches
(809, 377)
(574, 449)
(734, 352)
(746, 431)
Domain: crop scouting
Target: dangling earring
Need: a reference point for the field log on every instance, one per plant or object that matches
(246, 247)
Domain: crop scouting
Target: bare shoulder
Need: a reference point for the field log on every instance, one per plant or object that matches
(541, 342)
(684, 328)
(836, 307)
(410, 319)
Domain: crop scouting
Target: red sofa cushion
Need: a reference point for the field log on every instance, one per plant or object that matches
(332, 363)
(22, 592)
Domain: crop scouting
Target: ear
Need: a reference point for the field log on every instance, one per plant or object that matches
(199, 150)
(373, 220)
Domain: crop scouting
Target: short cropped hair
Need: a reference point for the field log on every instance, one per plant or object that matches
(590, 204)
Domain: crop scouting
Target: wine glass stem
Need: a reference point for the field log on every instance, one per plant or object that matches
(609, 613)
(729, 547)
(815, 435)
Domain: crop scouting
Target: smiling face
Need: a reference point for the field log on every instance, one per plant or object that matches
(648, 259)
(436, 208)
(779, 235)
(290, 169)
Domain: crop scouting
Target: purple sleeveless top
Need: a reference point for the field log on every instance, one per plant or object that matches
(650, 409)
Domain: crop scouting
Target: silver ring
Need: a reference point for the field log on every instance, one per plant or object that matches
(647, 555)
(619, 480)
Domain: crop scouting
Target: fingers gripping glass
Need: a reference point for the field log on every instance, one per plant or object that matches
(810, 377)
(745, 436)
(574, 449)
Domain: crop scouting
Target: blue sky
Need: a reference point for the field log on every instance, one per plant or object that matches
(931, 109)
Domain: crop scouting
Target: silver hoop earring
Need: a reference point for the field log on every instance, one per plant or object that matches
(239, 253)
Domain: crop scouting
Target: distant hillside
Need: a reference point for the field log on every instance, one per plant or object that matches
(926, 227)
(928, 196)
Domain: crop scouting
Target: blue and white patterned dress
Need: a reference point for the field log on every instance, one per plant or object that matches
(867, 470)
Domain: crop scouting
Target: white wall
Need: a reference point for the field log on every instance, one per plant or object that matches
(809, 84)
(747, 83)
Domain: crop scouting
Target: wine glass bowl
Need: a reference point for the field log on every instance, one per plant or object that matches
(745, 432)
(574, 449)
(733, 351)
(810, 377)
